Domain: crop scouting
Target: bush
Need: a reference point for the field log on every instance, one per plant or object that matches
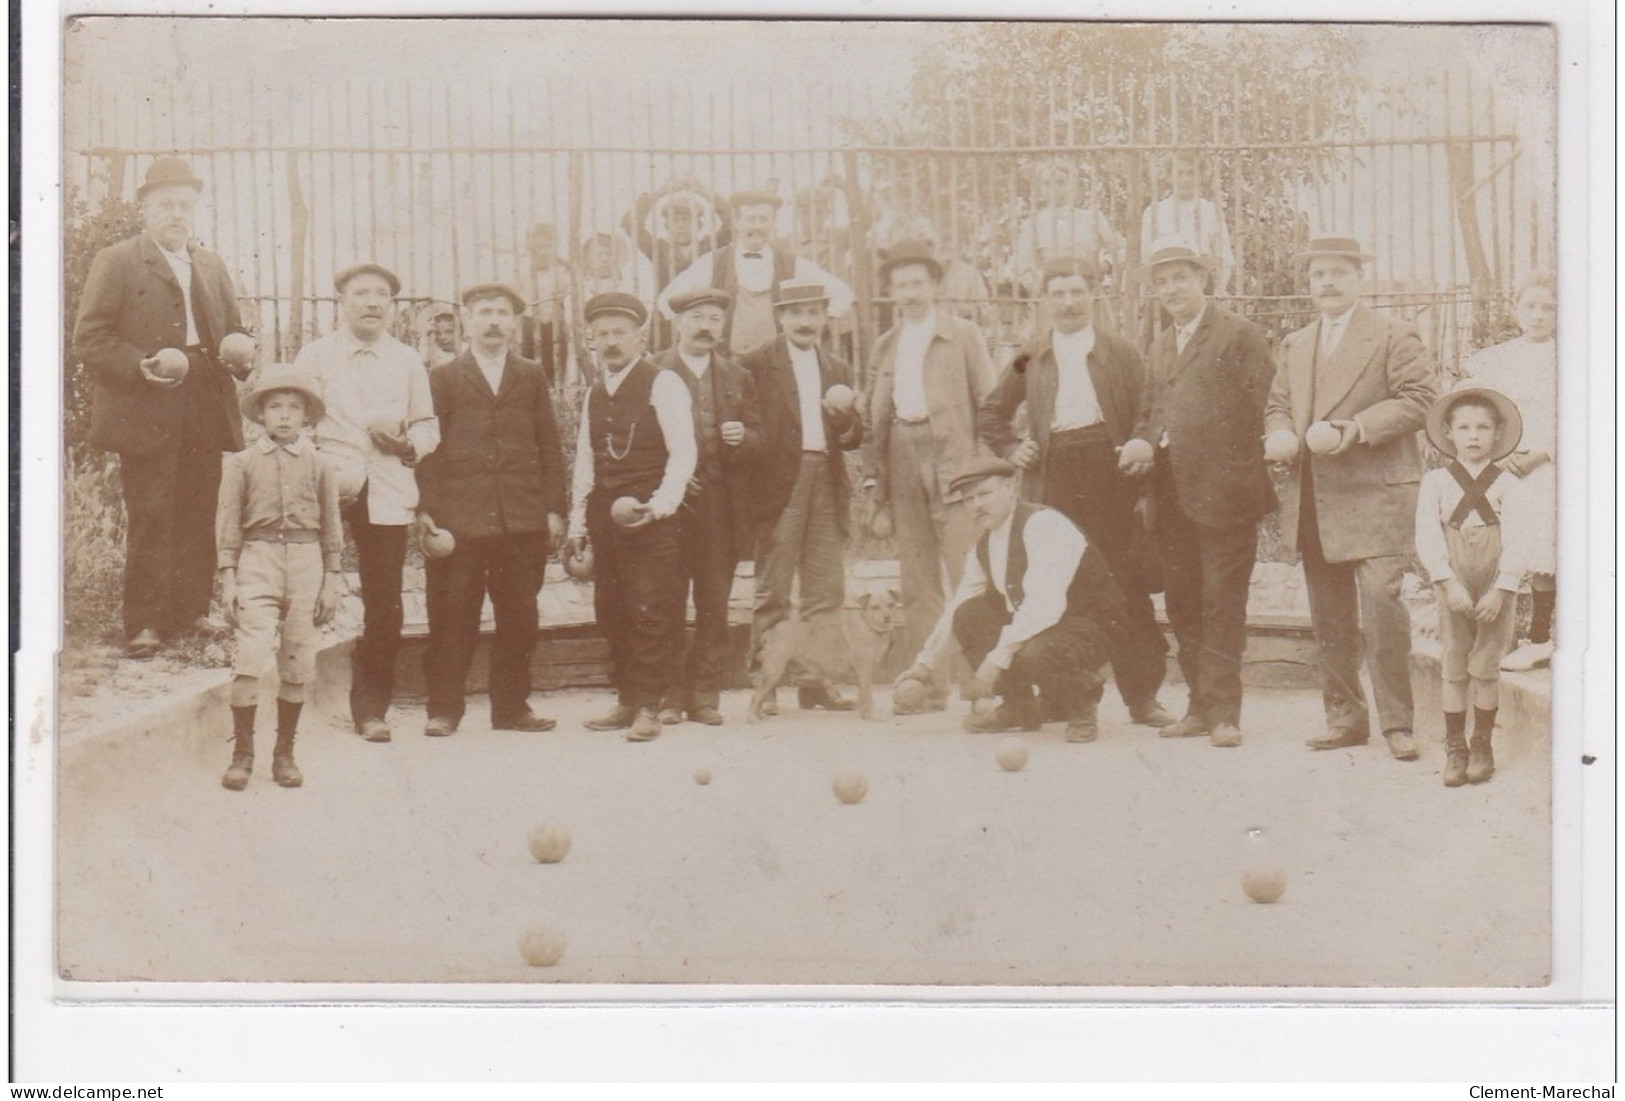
(86, 232)
(92, 549)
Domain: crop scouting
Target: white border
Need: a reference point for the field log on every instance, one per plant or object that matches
(799, 1039)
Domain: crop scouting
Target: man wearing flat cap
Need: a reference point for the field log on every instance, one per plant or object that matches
(1035, 610)
(155, 310)
(717, 523)
(802, 491)
(380, 423)
(931, 373)
(496, 483)
(636, 443)
(1082, 390)
(1352, 389)
(1199, 437)
(751, 270)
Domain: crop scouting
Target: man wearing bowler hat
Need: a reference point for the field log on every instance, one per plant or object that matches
(1351, 390)
(155, 310)
(636, 442)
(752, 269)
(1199, 436)
(717, 523)
(496, 483)
(380, 424)
(931, 373)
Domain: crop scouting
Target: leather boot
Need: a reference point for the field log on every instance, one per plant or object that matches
(242, 749)
(283, 770)
(1455, 748)
(1480, 758)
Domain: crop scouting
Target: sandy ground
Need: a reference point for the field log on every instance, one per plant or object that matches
(1112, 863)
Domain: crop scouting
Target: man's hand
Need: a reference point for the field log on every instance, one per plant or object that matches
(1025, 454)
(228, 597)
(982, 681)
(1456, 597)
(644, 516)
(555, 532)
(157, 380)
(1489, 605)
(327, 598)
(1281, 447)
(1350, 432)
(576, 546)
(1524, 463)
(733, 433)
(1135, 458)
(391, 443)
(918, 672)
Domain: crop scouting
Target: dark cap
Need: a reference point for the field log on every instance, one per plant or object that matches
(165, 171)
(494, 290)
(700, 296)
(910, 252)
(349, 273)
(978, 468)
(616, 302)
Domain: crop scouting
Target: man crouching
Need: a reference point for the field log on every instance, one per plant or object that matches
(1036, 608)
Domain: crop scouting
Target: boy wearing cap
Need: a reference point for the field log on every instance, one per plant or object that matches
(693, 219)
(279, 537)
(1473, 536)
(1357, 384)
(717, 523)
(497, 484)
(380, 424)
(636, 441)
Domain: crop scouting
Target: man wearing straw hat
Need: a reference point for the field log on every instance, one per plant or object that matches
(1353, 387)
(1199, 437)
(155, 311)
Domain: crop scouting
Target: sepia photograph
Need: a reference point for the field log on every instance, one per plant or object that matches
(695, 508)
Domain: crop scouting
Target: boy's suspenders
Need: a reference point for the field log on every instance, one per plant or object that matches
(1475, 493)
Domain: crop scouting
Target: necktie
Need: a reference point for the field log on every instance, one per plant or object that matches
(753, 256)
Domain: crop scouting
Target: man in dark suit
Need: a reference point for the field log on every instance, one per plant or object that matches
(497, 484)
(803, 493)
(717, 523)
(1200, 437)
(1082, 389)
(158, 292)
(1355, 386)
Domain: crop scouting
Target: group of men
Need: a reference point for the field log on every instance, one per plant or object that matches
(1024, 505)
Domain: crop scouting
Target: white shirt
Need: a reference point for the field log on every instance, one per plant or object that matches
(1055, 546)
(1076, 404)
(674, 409)
(1438, 497)
(1183, 333)
(698, 364)
(181, 264)
(908, 379)
(1525, 371)
(363, 382)
(755, 276)
(492, 369)
(810, 388)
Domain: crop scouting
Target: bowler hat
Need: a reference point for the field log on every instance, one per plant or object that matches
(344, 276)
(165, 171)
(1506, 440)
(754, 196)
(616, 302)
(280, 376)
(494, 290)
(1173, 250)
(700, 296)
(794, 291)
(1346, 247)
(978, 468)
(910, 252)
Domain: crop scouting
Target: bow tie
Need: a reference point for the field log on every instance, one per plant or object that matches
(753, 256)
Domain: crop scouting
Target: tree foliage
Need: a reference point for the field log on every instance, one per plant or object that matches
(86, 231)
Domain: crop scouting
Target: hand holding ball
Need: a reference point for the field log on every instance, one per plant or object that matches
(1136, 454)
(840, 398)
(237, 350)
(1323, 437)
(579, 565)
(1281, 446)
(436, 542)
(626, 511)
(171, 365)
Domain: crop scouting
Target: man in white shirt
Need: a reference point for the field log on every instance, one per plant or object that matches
(1188, 216)
(636, 441)
(752, 269)
(1036, 608)
(380, 421)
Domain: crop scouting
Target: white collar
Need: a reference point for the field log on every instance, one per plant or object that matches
(1190, 326)
(181, 257)
(493, 362)
(1340, 319)
(698, 364)
(297, 447)
(1081, 342)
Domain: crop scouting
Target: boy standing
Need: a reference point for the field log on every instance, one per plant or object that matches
(278, 535)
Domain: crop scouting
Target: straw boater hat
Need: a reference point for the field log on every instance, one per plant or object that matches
(1511, 420)
(701, 296)
(165, 171)
(280, 376)
(494, 290)
(975, 470)
(616, 302)
(910, 252)
(368, 268)
(793, 291)
(1346, 247)
(754, 196)
(1173, 250)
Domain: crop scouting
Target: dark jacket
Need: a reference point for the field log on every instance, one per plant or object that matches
(1118, 376)
(132, 306)
(1210, 401)
(780, 402)
(737, 402)
(500, 465)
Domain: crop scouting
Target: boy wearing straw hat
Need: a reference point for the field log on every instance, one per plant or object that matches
(1473, 528)
(279, 535)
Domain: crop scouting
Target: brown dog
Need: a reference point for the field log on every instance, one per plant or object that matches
(855, 642)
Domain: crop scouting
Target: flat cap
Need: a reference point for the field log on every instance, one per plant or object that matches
(701, 296)
(616, 302)
(346, 274)
(978, 468)
(493, 290)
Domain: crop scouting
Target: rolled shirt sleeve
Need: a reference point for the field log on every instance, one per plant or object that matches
(228, 516)
(1054, 549)
(1431, 550)
(972, 584)
(674, 408)
(581, 478)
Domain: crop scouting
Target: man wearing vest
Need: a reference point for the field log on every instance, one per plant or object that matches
(717, 523)
(1082, 390)
(1036, 608)
(802, 492)
(636, 440)
(931, 373)
(751, 270)
(1199, 436)
(1355, 385)
(497, 484)
(159, 292)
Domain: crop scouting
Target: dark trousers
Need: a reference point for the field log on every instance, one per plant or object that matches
(637, 597)
(381, 549)
(509, 568)
(706, 561)
(170, 497)
(1065, 663)
(1081, 479)
(804, 539)
(1206, 572)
